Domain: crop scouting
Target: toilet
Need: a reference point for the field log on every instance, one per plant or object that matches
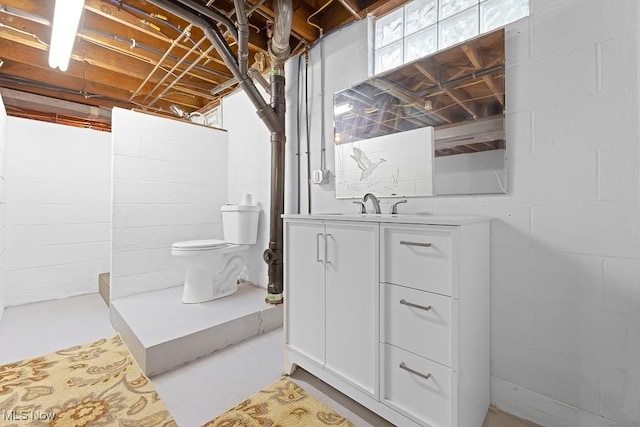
(213, 265)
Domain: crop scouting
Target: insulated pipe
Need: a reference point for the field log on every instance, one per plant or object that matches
(279, 43)
(243, 36)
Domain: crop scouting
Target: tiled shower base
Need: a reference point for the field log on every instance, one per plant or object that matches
(163, 333)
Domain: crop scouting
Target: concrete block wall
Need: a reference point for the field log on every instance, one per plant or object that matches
(565, 249)
(3, 206)
(58, 197)
(169, 181)
(249, 172)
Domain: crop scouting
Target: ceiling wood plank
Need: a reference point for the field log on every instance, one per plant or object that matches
(478, 63)
(299, 24)
(22, 49)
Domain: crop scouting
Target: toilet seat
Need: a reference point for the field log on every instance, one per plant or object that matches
(200, 245)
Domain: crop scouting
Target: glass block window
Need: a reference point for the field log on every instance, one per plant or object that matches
(422, 27)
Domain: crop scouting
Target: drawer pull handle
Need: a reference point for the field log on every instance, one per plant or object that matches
(410, 304)
(424, 245)
(414, 372)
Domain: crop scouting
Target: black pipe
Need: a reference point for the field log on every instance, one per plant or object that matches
(212, 14)
(274, 255)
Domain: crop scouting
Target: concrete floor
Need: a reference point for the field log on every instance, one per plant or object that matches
(194, 393)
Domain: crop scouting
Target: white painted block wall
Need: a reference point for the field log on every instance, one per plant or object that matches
(3, 206)
(169, 181)
(249, 172)
(565, 254)
(57, 210)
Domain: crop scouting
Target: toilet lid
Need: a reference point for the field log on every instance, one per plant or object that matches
(199, 244)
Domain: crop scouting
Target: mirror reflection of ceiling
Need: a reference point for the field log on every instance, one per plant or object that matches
(462, 84)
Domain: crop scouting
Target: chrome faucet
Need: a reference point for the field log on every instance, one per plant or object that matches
(374, 200)
(394, 207)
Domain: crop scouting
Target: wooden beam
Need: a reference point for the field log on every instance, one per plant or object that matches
(299, 24)
(478, 63)
(382, 7)
(29, 63)
(131, 66)
(462, 99)
(35, 102)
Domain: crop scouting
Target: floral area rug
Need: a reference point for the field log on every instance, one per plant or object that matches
(282, 404)
(96, 384)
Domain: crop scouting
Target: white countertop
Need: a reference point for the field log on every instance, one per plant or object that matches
(388, 218)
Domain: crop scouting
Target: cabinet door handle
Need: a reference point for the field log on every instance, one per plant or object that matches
(318, 259)
(414, 372)
(424, 245)
(326, 247)
(410, 304)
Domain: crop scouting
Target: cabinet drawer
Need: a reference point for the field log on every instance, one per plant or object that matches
(418, 257)
(404, 387)
(417, 321)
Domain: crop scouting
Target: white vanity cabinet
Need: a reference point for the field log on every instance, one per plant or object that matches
(393, 311)
(333, 308)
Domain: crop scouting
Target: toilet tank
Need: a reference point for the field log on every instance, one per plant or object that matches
(240, 223)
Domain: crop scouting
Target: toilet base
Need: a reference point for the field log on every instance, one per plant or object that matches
(190, 297)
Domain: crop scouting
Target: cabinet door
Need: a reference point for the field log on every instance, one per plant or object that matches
(352, 303)
(304, 288)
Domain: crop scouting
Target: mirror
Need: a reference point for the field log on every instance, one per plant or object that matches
(434, 126)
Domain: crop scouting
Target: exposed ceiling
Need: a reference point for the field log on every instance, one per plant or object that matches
(461, 85)
(132, 54)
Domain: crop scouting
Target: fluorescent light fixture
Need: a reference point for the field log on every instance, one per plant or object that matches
(342, 108)
(66, 18)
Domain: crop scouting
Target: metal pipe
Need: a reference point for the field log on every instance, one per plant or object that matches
(176, 65)
(173, 83)
(251, 9)
(222, 86)
(155, 68)
(22, 14)
(274, 254)
(243, 36)
(134, 10)
(308, 127)
(211, 14)
(255, 75)
(264, 110)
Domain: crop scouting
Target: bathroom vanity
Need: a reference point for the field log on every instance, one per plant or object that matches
(393, 311)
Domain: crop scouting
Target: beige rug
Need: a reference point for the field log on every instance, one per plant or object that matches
(96, 384)
(282, 404)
